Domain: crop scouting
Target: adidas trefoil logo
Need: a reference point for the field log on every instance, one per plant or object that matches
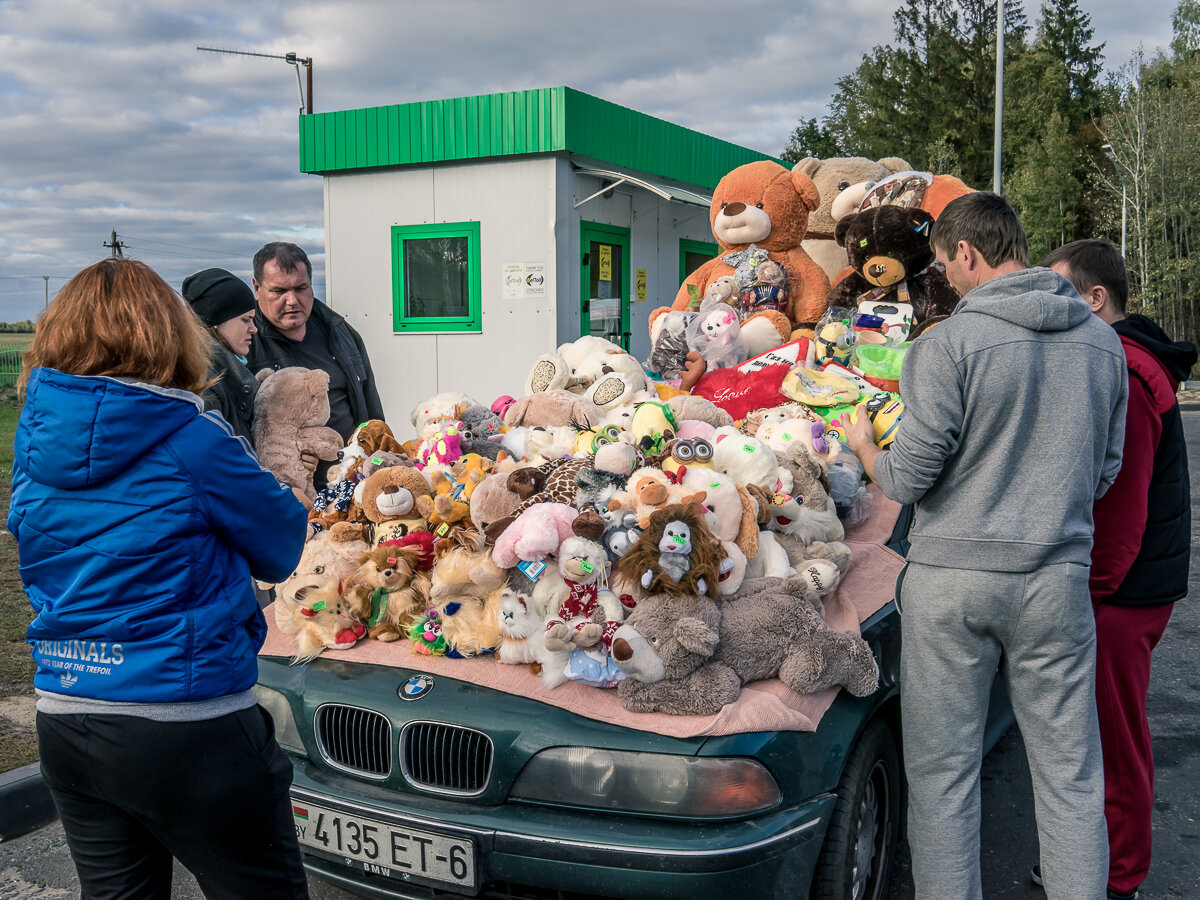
(68, 680)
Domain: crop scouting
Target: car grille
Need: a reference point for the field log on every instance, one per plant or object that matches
(445, 758)
(354, 740)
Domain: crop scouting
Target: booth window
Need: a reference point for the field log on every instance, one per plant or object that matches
(435, 277)
(694, 254)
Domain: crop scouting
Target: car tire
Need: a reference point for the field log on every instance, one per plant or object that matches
(860, 844)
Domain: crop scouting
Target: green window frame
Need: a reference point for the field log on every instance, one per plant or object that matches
(686, 246)
(470, 318)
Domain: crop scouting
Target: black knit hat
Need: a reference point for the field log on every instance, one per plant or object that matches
(217, 296)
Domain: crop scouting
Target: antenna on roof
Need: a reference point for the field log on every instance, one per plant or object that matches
(291, 59)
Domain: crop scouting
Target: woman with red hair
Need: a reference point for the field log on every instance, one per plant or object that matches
(140, 520)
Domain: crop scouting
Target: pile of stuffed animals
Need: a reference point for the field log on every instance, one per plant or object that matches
(666, 527)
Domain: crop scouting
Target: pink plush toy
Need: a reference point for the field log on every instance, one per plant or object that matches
(717, 336)
(500, 404)
(442, 448)
(535, 534)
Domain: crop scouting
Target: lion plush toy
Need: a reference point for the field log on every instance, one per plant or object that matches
(676, 554)
(290, 412)
(764, 205)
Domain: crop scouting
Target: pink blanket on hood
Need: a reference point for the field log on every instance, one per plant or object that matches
(768, 705)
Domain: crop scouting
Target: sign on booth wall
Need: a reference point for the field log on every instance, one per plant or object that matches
(605, 263)
(524, 281)
(639, 276)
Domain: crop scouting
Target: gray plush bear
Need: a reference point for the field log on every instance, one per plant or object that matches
(690, 656)
(480, 424)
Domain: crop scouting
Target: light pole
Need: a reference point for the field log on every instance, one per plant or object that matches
(292, 59)
(996, 140)
(1108, 150)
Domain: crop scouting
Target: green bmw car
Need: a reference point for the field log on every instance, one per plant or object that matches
(410, 785)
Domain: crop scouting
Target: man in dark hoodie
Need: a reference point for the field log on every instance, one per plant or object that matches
(1141, 552)
(295, 329)
(1013, 425)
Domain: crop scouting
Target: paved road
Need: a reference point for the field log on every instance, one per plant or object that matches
(37, 866)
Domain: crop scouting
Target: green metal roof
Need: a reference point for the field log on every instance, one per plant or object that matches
(547, 120)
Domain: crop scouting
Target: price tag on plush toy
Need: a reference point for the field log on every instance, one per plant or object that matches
(531, 569)
(319, 605)
(586, 566)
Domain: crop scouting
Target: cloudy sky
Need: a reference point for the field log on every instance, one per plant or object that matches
(110, 119)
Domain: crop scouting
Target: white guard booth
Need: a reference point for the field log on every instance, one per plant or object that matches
(466, 237)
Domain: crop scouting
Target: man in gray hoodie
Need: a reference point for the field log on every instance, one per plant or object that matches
(1014, 412)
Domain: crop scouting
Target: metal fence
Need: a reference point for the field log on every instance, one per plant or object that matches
(10, 367)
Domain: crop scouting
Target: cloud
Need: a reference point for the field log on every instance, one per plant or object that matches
(113, 120)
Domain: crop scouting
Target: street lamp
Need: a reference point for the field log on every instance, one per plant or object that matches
(999, 96)
(1108, 151)
(292, 59)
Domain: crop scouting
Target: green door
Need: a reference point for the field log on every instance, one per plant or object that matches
(604, 282)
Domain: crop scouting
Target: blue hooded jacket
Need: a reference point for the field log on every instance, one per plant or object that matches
(139, 520)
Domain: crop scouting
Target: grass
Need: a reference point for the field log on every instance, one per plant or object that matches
(15, 340)
(17, 744)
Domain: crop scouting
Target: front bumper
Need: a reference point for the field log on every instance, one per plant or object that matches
(538, 852)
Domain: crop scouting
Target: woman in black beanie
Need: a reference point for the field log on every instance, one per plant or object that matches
(226, 305)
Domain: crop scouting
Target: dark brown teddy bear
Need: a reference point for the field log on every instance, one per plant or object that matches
(889, 249)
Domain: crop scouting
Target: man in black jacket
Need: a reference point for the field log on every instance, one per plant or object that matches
(296, 330)
(1141, 552)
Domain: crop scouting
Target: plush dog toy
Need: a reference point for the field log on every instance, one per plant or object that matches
(553, 408)
(324, 562)
(463, 596)
(290, 412)
(322, 620)
(388, 590)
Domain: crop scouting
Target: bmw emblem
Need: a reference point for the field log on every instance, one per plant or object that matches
(416, 687)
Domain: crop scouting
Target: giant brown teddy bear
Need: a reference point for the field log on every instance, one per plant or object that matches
(764, 204)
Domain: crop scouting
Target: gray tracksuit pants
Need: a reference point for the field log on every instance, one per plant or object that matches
(958, 626)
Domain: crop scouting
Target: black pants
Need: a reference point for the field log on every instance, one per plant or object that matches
(132, 793)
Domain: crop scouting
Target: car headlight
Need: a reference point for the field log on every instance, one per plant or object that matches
(652, 783)
(281, 712)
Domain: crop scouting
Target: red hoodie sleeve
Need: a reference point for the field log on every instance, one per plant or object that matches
(1120, 515)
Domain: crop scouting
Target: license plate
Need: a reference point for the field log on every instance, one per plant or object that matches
(383, 849)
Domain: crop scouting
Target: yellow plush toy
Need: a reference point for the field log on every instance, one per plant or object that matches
(885, 411)
(447, 508)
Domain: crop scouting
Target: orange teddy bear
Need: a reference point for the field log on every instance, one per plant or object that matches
(764, 204)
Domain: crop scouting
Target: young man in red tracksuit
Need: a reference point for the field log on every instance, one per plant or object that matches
(1140, 555)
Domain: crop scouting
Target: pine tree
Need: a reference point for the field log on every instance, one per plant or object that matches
(809, 138)
(933, 90)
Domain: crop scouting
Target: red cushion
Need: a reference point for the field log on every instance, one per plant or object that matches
(739, 393)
